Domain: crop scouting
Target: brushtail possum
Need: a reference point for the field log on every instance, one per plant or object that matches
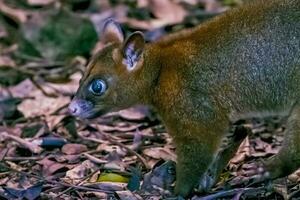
(245, 62)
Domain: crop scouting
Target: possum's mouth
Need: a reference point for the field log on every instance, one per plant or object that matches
(85, 109)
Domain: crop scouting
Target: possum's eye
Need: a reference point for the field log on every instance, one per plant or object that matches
(97, 87)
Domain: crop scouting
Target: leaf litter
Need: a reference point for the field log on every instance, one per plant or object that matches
(47, 154)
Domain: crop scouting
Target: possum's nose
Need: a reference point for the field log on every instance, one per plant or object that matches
(78, 107)
(73, 108)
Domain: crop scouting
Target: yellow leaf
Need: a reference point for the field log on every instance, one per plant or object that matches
(112, 177)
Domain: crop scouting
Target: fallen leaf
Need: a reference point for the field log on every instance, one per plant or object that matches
(160, 153)
(77, 173)
(71, 149)
(6, 60)
(167, 11)
(137, 113)
(112, 177)
(3, 34)
(40, 2)
(18, 15)
(41, 105)
(34, 148)
(50, 167)
(30, 193)
(162, 176)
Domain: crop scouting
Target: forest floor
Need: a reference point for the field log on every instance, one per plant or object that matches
(46, 153)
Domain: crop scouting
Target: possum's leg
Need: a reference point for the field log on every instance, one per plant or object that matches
(288, 159)
(228, 148)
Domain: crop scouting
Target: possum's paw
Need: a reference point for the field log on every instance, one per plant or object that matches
(206, 182)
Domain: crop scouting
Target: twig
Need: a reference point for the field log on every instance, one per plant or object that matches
(8, 158)
(62, 183)
(143, 161)
(80, 183)
(94, 159)
(42, 65)
(111, 140)
(17, 15)
(232, 192)
(79, 195)
(80, 187)
(51, 95)
(31, 146)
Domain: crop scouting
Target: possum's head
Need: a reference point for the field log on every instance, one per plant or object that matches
(109, 82)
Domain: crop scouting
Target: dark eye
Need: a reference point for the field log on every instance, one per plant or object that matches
(97, 87)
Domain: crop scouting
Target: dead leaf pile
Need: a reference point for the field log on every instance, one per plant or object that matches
(47, 154)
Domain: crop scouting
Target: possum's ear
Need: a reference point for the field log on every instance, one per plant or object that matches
(133, 49)
(112, 32)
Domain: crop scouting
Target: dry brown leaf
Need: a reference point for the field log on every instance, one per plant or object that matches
(242, 153)
(77, 173)
(282, 189)
(119, 13)
(67, 88)
(167, 11)
(110, 148)
(41, 105)
(34, 148)
(294, 177)
(160, 153)
(127, 127)
(137, 141)
(134, 113)
(23, 89)
(20, 16)
(53, 120)
(6, 60)
(71, 149)
(296, 174)
(50, 166)
(68, 158)
(114, 162)
(3, 152)
(106, 128)
(4, 180)
(3, 32)
(146, 25)
(94, 159)
(142, 3)
(14, 166)
(260, 145)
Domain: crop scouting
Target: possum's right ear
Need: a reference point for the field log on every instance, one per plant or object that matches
(112, 32)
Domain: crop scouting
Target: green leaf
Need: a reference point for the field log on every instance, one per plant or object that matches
(112, 177)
